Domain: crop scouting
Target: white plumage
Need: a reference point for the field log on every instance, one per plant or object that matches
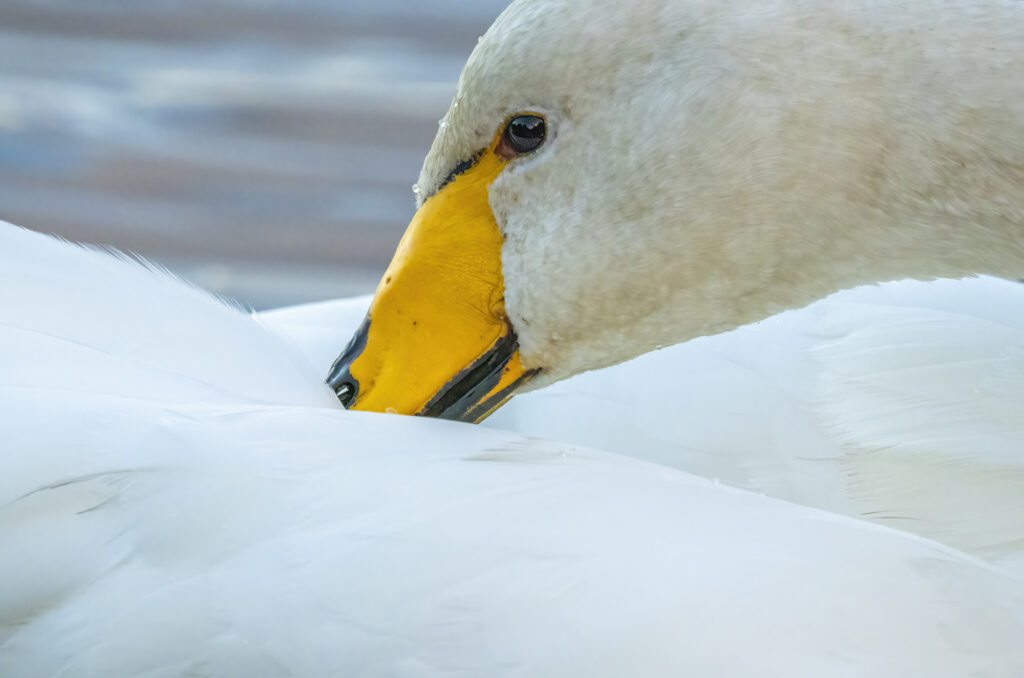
(897, 403)
(181, 496)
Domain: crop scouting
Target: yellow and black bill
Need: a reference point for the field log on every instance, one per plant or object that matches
(470, 395)
(436, 340)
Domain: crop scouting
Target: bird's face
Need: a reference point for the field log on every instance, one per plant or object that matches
(517, 267)
(610, 178)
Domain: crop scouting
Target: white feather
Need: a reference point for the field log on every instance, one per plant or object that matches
(898, 403)
(180, 498)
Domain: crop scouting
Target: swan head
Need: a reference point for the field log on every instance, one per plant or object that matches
(615, 177)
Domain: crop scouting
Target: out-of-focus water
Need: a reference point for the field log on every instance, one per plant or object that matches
(264, 149)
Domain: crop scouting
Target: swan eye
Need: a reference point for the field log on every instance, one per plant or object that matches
(524, 134)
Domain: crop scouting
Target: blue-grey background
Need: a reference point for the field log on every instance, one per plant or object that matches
(264, 149)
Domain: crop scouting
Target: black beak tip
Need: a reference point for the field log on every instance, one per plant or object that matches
(340, 378)
(346, 392)
(340, 381)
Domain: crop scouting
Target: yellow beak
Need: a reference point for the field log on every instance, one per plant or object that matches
(436, 340)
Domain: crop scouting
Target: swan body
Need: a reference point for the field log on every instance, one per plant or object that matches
(897, 403)
(182, 496)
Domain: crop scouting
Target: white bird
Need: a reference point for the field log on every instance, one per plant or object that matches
(181, 495)
(183, 498)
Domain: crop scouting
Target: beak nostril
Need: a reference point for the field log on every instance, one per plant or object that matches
(346, 392)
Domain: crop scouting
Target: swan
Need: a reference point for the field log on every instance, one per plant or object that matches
(612, 178)
(182, 495)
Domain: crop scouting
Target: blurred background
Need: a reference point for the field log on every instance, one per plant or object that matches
(265, 150)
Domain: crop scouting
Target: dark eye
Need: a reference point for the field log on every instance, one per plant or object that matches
(525, 133)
